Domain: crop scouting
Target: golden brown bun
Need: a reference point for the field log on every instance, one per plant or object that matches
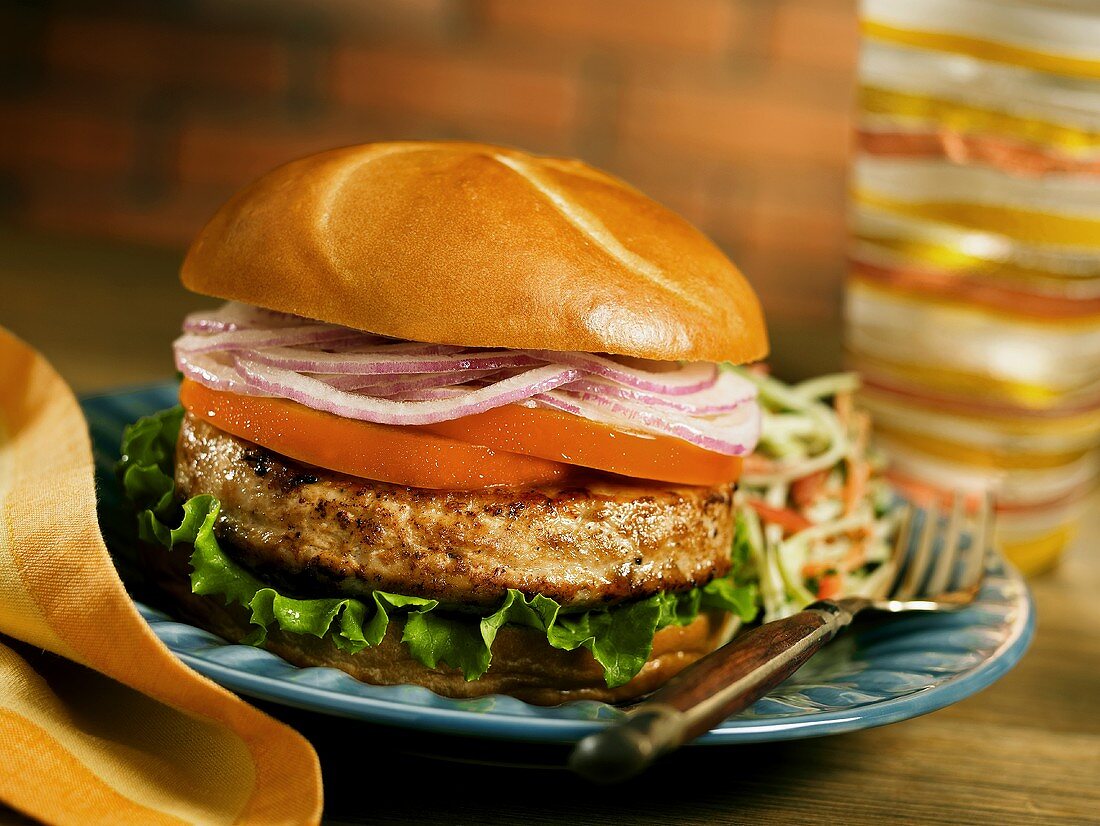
(524, 664)
(465, 243)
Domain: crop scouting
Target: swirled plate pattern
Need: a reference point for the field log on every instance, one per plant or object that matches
(872, 676)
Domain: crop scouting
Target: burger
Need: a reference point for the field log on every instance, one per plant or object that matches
(464, 421)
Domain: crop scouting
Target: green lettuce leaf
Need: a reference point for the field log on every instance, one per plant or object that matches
(620, 637)
(726, 595)
(148, 451)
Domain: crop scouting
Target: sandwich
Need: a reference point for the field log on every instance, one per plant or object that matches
(466, 419)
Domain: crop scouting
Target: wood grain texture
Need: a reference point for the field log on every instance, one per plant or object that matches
(1025, 751)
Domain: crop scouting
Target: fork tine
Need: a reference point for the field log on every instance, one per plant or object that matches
(918, 564)
(948, 557)
(896, 562)
(979, 544)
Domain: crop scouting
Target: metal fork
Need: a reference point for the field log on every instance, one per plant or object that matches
(738, 674)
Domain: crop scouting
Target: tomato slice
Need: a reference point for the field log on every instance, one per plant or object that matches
(386, 453)
(511, 445)
(563, 437)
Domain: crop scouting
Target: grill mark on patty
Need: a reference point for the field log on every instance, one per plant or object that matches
(313, 531)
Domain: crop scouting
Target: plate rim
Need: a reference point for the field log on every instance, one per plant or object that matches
(506, 725)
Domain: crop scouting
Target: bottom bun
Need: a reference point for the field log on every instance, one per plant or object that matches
(524, 664)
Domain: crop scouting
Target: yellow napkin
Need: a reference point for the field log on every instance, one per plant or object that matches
(119, 731)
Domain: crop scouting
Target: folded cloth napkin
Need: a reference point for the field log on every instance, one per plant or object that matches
(99, 722)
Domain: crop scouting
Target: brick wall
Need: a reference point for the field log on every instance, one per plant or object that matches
(135, 120)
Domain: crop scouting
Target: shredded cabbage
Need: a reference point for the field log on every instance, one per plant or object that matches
(811, 436)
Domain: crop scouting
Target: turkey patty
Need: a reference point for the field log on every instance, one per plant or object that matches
(316, 532)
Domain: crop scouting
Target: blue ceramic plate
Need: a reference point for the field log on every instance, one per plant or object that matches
(869, 677)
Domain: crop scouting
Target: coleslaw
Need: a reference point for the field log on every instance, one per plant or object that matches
(817, 513)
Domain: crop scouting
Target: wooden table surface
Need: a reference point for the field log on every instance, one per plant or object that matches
(1026, 750)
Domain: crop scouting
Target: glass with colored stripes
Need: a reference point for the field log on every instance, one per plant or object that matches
(973, 300)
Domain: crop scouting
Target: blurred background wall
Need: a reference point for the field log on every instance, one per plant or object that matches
(134, 120)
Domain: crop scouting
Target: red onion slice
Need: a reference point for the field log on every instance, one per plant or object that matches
(250, 339)
(374, 363)
(389, 385)
(316, 394)
(417, 348)
(689, 378)
(432, 394)
(236, 316)
(729, 392)
(215, 370)
(735, 434)
(358, 375)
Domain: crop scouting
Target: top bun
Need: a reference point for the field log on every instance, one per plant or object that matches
(483, 246)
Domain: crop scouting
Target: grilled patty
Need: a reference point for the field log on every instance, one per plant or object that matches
(318, 532)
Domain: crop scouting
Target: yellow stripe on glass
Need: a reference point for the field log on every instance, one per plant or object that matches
(953, 258)
(939, 113)
(983, 49)
(1018, 224)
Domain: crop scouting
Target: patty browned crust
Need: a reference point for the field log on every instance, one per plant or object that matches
(321, 532)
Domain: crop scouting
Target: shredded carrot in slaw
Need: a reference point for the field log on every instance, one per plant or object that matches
(815, 488)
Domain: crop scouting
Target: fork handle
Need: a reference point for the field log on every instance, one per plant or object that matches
(702, 695)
